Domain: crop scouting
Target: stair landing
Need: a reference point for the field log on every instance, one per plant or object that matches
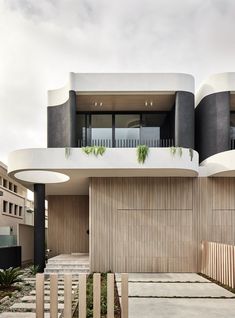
(75, 263)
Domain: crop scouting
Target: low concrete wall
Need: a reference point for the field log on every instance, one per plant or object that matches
(25, 238)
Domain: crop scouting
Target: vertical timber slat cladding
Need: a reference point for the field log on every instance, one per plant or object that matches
(157, 224)
(68, 222)
(142, 224)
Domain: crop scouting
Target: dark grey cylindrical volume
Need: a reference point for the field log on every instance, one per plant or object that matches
(184, 120)
(61, 124)
(213, 125)
(39, 226)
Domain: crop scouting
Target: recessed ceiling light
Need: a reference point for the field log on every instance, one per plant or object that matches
(95, 104)
(146, 103)
(101, 104)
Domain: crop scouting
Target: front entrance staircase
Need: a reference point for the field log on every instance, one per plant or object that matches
(76, 263)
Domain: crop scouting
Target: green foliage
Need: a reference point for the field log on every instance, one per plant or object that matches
(103, 297)
(175, 150)
(9, 277)
(180, 151)
(191, 154)
(67, 151)
(95, 150)
(142, 153)
(33, 270)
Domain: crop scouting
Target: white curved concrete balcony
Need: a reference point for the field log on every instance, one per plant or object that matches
(221, 164)
(77, 166)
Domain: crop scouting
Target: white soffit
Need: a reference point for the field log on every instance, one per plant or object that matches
(41, 176)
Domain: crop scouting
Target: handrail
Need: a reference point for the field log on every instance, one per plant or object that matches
(128, 143)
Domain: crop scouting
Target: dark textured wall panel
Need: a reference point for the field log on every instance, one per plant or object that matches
(184, 120)
(61, 124)
(213, 125)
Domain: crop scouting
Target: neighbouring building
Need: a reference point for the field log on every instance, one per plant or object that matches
(16, 215)
(134, 216)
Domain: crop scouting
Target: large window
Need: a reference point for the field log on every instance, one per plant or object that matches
(125, 129)
(101, 129)
(81, 129)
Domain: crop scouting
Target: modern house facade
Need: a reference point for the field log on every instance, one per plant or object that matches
(130, 216)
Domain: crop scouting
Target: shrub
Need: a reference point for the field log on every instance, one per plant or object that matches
(9, 277)
(33, 270)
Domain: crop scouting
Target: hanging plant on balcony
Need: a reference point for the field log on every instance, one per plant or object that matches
(142, 153)
(175, 150)
(67, 152)
(191, 154)
(95, 150)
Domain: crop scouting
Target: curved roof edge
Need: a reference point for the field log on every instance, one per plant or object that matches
(121, 82)
(216, 83)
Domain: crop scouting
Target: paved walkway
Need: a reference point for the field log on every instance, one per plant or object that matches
(177, 295)
(28, 303)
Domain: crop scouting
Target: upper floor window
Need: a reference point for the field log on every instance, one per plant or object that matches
(5, 206)
(5, 183)
(101, 128)
(155, 129)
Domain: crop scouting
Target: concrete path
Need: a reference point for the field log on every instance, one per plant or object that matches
(168, 295)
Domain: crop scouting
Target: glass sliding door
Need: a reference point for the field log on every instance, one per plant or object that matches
(156, 130)
(82, 130)
(101, 130)
(127, 130)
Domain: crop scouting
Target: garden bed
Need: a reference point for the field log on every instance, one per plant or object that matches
(103, 304)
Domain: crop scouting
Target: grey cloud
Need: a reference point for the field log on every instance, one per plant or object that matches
(41, 41)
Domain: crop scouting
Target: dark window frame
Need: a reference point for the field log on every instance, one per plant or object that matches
(88, 115)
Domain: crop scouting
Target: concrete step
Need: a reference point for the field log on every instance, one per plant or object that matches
(22, 315)
(66, 271)
(32, 306)
(67, 266)
(68, 261)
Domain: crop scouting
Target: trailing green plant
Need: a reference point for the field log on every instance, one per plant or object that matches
(180, 151)
(191, 154)
(142, 153)
(33, 270)
(175, 150)
(67, 152)
(9, 277)
(95, 150)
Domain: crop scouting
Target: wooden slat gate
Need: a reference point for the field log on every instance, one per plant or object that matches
(218, 262)
(68, 295)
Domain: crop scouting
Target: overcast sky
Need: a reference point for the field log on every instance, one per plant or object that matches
(41, 41)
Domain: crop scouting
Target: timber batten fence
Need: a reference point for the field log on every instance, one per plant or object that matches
(82, 295)
(218, 262)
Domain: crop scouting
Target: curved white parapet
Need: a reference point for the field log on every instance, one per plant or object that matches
(221, 164)
(216, 83)
(114, 162)
(121, 83)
